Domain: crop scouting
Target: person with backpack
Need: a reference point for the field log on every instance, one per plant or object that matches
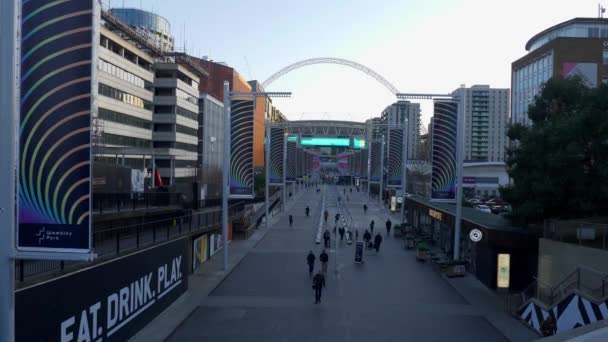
(371, 226)
(318, 283)
(290, 220)
(324, 259)
(377, 242)
(389, 224)
(326, 238)
(310, 259)
(307, 210)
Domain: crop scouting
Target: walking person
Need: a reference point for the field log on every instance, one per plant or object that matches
(326, 214)
(326, 238)
(307, 210)
(341, 231)
(377, 242)
(389, 224)
(365, 208)
(290, 220)
(310, 260)
(367, 237)
(318, 283)
(324, 259)
(371, 226)
(356, 234)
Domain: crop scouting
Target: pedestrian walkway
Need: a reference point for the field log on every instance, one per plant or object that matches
(390, 297)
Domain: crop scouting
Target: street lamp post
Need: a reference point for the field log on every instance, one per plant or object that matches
(8, 155)
(404, 154)
(460, 125)
(284, 201)
(381, 171)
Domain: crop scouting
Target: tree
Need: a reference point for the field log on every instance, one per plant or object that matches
(559, 164)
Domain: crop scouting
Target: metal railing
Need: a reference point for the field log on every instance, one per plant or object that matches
(120, 202)
(584, 280)
(112, 242)
(589, 234)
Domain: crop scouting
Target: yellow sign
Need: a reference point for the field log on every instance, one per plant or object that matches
(436, 214)
(393, 203)
(503, 271)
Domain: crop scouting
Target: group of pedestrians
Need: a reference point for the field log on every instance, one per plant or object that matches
(318, 281)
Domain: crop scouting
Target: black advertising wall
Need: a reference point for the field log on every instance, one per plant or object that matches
(110, 302)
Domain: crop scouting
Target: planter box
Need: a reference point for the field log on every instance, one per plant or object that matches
(455, 271)
(422, 255)
(409, 243)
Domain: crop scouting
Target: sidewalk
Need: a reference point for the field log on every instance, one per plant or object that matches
(203, 281)
(484, 302)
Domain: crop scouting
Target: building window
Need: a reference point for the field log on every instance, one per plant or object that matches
(185, 130)
(124, 119)
(183, 95)
(186, 113)
(122, 96)
(121, 140)
(123, 74)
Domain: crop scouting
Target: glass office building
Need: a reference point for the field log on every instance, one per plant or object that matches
(154, 27)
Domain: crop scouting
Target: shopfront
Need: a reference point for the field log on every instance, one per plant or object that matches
(435, 221)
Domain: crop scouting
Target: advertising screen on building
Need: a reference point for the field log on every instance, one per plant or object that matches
(339, 142)
(503, 271)
(358, 143)
(395, 157)
(241, 149)
(275, 174)
(56, 80)
(443, 179)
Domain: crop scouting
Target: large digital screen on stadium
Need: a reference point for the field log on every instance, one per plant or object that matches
(358, 143)
(340, 142)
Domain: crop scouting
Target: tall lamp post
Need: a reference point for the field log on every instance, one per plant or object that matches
(460, 97)
(226, 149)
(404, 156)
(8, 155)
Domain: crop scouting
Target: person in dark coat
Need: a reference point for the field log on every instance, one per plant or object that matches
(307, 211)
(326, 238)
(290, 220)
(310, 259)
(337, 217)
(324, 259)
(318, 283)
(371, 226)
(377, 242)
(389, 224)
(367, 237)
(342, 231)
(365, 208)
(326, 214)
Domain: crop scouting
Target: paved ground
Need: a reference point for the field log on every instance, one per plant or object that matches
(391, 297)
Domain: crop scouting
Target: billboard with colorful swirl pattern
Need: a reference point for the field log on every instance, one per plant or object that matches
(241, 149)
(56, 77)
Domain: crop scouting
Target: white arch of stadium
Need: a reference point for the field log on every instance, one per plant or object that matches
(332, 60)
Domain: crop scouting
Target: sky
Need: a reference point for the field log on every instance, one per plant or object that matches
(418, 46)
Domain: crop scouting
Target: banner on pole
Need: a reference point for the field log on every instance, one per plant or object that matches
(241, 149)
(395, 157)
(291, 161)
(443, 179)
(54, 180)
(277, 137)
(375, 148)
